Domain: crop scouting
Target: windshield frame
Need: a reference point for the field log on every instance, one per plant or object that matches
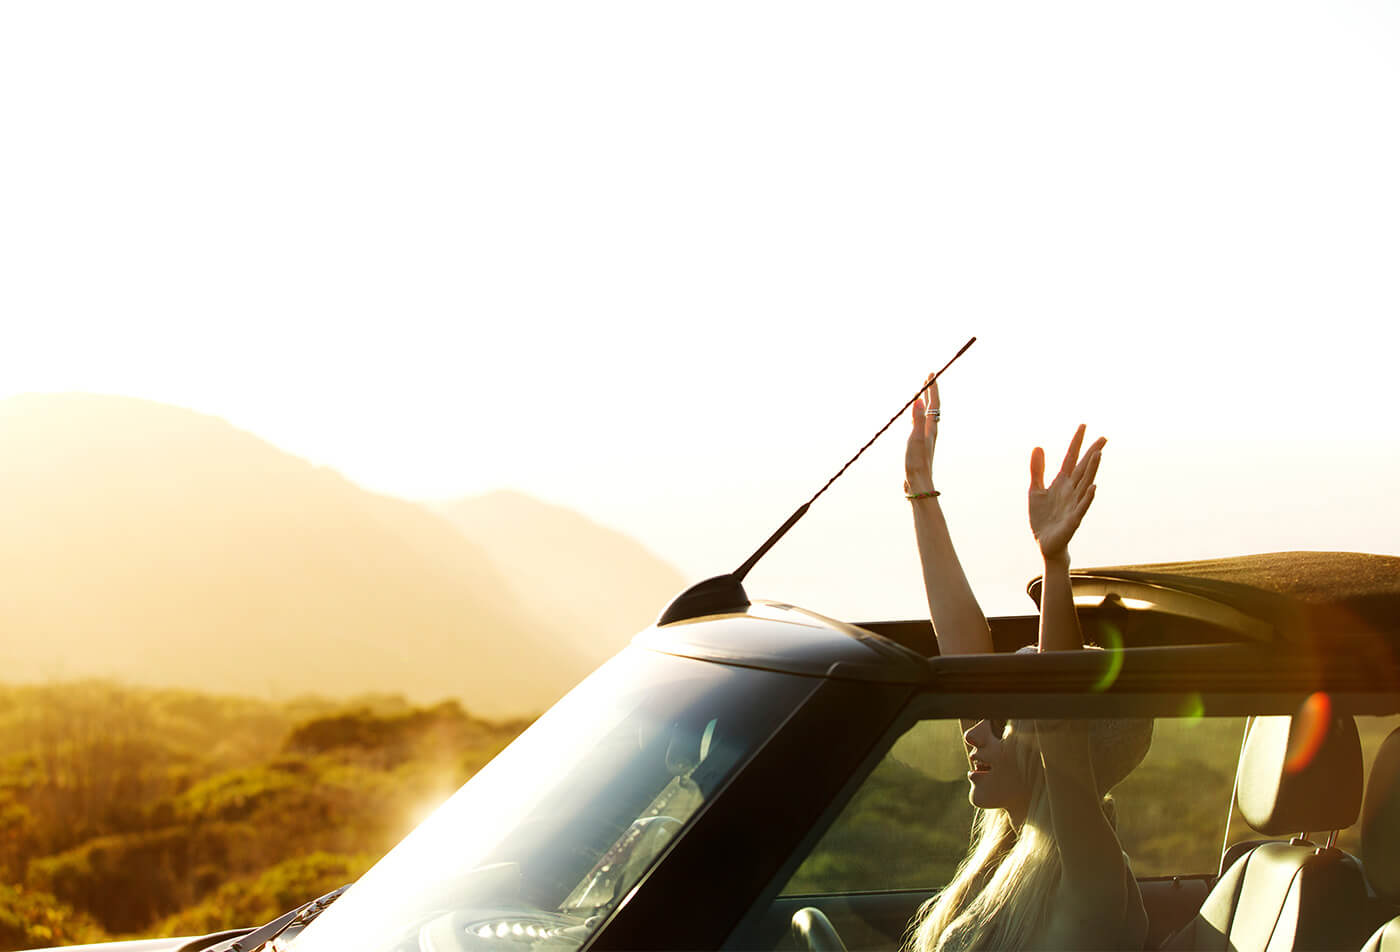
(851, 717)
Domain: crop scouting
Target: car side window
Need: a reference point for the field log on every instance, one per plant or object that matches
(908, 825)
(1172, 809)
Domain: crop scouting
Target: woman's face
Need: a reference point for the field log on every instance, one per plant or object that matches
(995, 775)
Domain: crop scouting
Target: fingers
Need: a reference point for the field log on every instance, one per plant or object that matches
(1083, 506)
(1085, 479)
(1037, 469)
(1072, 454)
(921, 422)
(1094, 447)
(926, 424)
(1089, 465)
(931, 403)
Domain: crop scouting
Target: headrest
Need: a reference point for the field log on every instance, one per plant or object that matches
(1300, 774)
(1380, 821)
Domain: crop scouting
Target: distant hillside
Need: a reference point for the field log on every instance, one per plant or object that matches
(598, 586)
(154, 544)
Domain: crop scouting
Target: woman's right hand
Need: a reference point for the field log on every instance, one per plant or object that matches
(1057, 510)
(918, 455)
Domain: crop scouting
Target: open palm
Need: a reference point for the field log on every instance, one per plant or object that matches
(1057, 510)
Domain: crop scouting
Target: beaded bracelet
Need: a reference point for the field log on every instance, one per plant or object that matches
(928, 495)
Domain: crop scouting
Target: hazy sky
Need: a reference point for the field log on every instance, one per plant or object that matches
(671, 265)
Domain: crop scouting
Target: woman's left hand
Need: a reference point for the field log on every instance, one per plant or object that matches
(1056, 511)
(918, 453)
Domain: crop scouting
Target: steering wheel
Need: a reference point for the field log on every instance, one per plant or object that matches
(814, 931)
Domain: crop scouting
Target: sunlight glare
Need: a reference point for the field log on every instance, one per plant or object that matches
(1113, 658)
(1193, 710)
(1312, 722)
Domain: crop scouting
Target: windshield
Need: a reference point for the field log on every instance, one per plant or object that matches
(546, 840)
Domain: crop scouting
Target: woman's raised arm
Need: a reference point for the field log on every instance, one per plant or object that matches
(958, 622)
(1094, 883)
(1055, 514)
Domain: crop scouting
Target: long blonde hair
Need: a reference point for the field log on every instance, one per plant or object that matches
(1000, 896)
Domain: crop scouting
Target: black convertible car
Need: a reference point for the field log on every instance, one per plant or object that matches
(755, 776)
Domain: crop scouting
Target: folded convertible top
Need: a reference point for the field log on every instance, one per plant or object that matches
(1288, 595)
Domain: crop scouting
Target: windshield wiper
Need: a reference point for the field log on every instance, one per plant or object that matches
(261, 936)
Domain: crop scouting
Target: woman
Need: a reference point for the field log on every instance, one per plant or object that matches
(1045, 869)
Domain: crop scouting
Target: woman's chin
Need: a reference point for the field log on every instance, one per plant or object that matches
(983, 798)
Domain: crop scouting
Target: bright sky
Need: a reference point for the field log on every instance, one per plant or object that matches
(671, 265)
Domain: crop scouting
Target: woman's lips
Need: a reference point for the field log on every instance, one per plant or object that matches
(979, 766)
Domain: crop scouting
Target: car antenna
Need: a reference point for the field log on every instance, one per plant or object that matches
(725, 593)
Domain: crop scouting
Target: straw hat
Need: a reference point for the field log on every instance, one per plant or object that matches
(1116, 744)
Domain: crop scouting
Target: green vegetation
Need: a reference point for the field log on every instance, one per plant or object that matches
(136, 812)
(902, 830)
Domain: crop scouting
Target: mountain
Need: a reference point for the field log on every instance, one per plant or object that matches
(597, 586)
(161, 546)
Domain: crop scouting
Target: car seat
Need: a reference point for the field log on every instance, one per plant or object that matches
(1380, 840)
(1290, 895)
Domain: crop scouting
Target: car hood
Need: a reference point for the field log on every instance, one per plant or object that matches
(139, 945)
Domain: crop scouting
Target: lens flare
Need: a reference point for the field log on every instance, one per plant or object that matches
(1193, 709)
(1113, 660)
(1310, 726)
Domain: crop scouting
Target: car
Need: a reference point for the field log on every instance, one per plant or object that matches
(748, 774)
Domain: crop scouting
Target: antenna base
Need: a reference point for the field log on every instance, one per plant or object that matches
(714, 596)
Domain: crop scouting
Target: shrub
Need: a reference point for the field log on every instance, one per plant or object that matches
(254, 900)
(128, 881)
(29, 918)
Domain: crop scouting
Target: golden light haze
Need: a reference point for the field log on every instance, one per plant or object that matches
(150, 544)
(670, 267)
